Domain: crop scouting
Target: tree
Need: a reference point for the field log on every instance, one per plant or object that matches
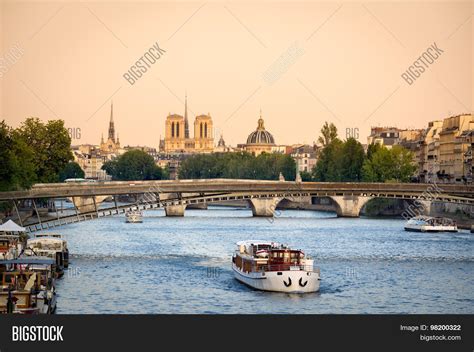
(340, 162)
(71, 170)
(134, 165)
(351, 161)
(17, 169)
(372, 148)
(403, 162)
(51, 145)
(328, 168)
(238, 165)
(389, 165)
(329, 133)
(306, 176)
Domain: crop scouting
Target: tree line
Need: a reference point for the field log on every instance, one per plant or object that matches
(35, 152)
(240, 165)
(346, 161)
(134, 165)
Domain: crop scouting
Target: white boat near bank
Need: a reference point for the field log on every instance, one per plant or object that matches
(133, 216)
(271, 266)
(423, 223)
(50, 245)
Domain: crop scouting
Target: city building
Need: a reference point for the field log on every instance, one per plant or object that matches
(177, 138)
(91, 159)
(386, 136)
(112, 145)
(259, 141)
(390, 136)
(149, 150)
(282, 149)
(222, 147)
(172, 162)
(468, 165)
(305, 156)
(453, 146)
(427, 154)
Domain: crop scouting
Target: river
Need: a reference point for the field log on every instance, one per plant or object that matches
(183, 265)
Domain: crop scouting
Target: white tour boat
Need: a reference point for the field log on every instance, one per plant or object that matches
(134, 216)
(423, 223)
(270, 266)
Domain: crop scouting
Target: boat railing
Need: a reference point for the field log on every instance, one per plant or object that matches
(286, 267)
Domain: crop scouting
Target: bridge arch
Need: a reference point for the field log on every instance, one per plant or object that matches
(349, 205)
(264, 207)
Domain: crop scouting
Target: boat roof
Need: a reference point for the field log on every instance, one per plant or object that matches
(426, 217)
(41, 235)
(47, 239)
(29, 260)
(257, 242)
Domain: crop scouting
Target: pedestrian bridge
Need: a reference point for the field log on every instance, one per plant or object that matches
(262, 196)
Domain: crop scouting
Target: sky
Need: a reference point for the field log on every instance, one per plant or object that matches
(300, 63)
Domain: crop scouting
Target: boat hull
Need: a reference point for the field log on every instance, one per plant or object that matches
(423, 228)
(289, 281)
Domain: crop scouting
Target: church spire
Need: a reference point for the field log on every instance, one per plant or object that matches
(111, 123)
(186, 122)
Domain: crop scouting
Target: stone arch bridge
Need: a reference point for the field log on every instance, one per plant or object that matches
(263, 196)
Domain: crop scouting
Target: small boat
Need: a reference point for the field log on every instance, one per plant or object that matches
(134, 216)
(270, 266)
(424, 223)
(49, 245)
(27, 286)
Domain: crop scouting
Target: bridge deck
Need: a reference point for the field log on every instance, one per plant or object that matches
(61, 190)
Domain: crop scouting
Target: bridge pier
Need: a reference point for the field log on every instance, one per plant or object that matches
(349, 206)
(87, 204)
(175, 210)
(264, 207)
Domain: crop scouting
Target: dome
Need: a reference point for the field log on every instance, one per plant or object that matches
(260, 135)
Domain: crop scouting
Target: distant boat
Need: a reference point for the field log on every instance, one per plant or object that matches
(270, 266)
(133, 216)
(423, 223)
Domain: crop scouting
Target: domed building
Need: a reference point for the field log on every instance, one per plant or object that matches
(259, 141)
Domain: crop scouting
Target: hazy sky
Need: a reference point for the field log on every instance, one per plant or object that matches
(302, 63)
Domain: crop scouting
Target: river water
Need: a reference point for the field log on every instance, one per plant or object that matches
(183, 265)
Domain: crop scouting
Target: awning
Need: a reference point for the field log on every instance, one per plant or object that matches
(10, 226)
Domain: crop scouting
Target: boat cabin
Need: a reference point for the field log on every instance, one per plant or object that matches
(267, 256)
(24, 283)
